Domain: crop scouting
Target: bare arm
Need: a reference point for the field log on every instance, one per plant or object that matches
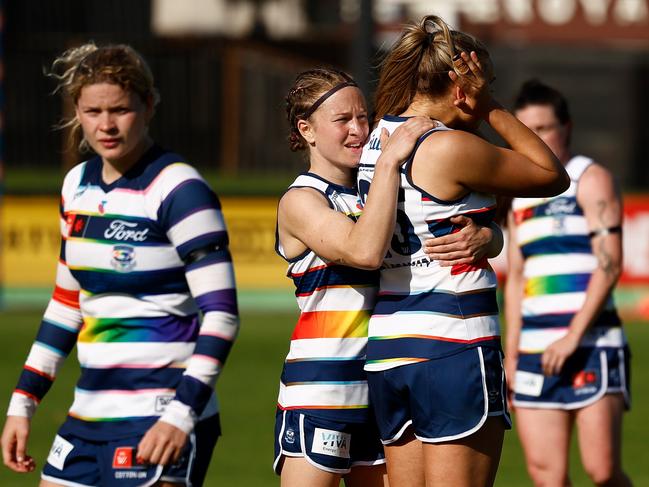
(602, 205)
(514, 287)
(528, 169)
(305, 217)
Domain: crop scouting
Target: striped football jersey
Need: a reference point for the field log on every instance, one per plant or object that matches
(323, 372)
(425, 311)
(125, 296)
(558, 262)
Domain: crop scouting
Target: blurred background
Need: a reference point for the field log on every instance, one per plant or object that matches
(223, 68)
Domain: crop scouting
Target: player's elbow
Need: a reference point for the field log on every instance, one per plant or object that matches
(556, 184)
(366, 260)
(551, 184)
(563, 182)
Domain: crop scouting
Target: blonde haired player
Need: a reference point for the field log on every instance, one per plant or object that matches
(144, 289)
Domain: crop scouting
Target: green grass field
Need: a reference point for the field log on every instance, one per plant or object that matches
(248, 390)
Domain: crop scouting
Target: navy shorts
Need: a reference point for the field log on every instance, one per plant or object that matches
(443, 399)
(328, 445)
(587, 375)
(80, 462)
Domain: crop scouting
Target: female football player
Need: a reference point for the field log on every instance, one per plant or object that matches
(434, 358)
(144, 288)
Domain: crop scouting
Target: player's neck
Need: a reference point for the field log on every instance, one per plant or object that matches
(113, 169)
(340, 175)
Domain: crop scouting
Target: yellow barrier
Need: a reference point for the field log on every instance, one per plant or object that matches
(30, 242)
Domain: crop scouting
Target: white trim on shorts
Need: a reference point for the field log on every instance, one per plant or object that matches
(63, 482)
(379, 461)
(190, 465)
(281, 449)
(400, 433)
(603, 363)
(623, 381)
(310, 460)
(153, 480)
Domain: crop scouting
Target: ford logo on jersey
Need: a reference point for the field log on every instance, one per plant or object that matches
(561, 206)
(122, 230)
(123, 258)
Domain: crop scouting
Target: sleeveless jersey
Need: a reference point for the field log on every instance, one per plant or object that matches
(131, 305)
(323, 372)
(425, 311)
(558, 262)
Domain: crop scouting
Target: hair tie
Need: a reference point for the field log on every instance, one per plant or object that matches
(323, 98)
(429, 39)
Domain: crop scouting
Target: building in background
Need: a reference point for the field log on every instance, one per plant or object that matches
(223, 67)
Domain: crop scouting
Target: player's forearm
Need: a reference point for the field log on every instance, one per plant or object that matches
(218, 332)
(522, 140)
(598, 293)
(608, 251)
(211, 282)
(54, 341)
(496, 243)
(369, 238)
(513, 318)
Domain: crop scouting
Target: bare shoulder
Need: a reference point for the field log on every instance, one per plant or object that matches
(596, 173)
(300, 206)
(451, 145)
(597, 181)
(296, 198)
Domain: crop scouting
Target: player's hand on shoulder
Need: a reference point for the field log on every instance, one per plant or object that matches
(14, 444)
(398, 146)
(162, 444)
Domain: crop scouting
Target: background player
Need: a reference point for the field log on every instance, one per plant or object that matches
(567, 357)
(144, 248)
(433, 356)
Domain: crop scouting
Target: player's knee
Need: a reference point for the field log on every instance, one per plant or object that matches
(603, 474)
(544, 475)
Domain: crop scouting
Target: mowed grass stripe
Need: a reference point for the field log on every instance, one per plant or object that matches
(248, 390)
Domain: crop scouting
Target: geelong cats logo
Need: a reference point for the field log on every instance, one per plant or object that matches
(123, 258)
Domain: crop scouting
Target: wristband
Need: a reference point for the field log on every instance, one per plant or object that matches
(601, 232)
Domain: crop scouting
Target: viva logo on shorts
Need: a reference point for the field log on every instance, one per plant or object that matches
(332, 443)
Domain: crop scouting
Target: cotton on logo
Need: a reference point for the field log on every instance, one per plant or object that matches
(585, 382)
(123, 457)
(584, 378)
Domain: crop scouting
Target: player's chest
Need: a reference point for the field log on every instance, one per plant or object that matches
(100, 217)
